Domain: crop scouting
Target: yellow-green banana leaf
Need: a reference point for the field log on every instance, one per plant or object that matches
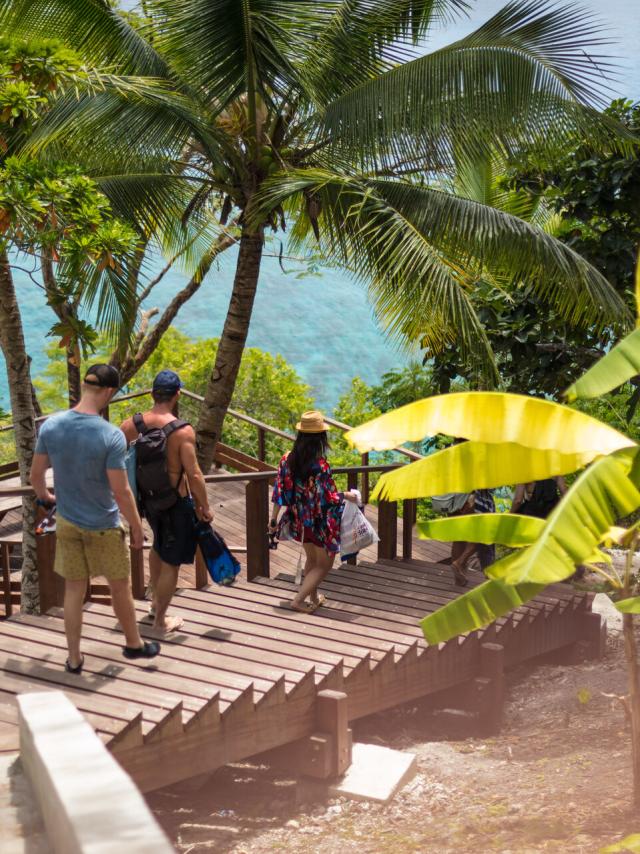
(491, 417)
(612, 370)
(629, 606)
(475, 609)
(505, 528)
(582, 519)
(628, 845)
(476, 465)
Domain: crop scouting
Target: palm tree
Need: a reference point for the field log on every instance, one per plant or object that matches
(321, 115)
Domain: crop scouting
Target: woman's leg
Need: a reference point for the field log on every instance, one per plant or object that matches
(318, 564)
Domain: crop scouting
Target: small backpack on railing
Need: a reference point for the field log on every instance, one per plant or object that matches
(156, 493)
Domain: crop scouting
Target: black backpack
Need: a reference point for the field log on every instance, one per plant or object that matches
(544, 498)
(155, 490)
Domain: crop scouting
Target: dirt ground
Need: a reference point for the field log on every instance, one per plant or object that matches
(557, 779)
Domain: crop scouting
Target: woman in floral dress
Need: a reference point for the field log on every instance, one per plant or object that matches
(305, 487)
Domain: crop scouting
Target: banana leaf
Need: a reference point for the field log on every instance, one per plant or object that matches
(629, 606)
(582, 519)
(491, 417)
(475, 609)
(505, 528)
(620, 364)
(476, 465)
(628, 845)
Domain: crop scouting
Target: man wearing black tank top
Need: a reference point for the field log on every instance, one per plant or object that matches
(174, 541)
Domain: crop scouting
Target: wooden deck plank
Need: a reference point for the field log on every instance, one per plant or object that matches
(142, 686)
(110, 719)
(259, 597)
(353, 610)
(89, 693)
(287, 625)
(214, 666)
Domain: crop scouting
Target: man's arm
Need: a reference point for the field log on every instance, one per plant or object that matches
(194, 474)
(517, 498)
(119, 483)
(562, 485)
(38, 477)
(129, 430)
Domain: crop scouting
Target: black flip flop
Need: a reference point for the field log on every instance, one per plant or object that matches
(77, 669)
(149, 649)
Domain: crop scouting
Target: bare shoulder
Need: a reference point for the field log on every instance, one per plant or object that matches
(186, 435)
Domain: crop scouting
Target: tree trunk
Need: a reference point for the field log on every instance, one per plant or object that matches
(234, 335)
(73, 372)
(145, 345)
(19, 379)
(64, 310)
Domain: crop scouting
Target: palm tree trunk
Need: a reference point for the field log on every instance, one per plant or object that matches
(234, 335)
(20, 391)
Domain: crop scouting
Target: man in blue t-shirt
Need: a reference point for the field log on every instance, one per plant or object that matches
(87, 455)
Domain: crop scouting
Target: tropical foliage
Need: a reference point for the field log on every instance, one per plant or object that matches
(586, 195)
(515, 439)
(324, 117)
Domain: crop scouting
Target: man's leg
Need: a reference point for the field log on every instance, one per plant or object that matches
(74, 593)
(124, 609)
(165, 581)
(155, 567)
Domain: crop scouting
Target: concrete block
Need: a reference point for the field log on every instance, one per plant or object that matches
(88, 803)
(376, 774)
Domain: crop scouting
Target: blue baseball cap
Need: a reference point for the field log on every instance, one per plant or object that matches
(167, 381)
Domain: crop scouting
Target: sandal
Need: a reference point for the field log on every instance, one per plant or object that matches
(319, 602)
(77, 669)
(149, 649)
(303, 608)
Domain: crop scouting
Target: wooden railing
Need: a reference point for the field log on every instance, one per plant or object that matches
(256, 474)
(257, 561)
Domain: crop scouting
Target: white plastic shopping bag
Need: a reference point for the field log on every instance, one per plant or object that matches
(356, 532)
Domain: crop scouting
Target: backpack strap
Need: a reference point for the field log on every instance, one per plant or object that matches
(174, 425)
(139, 424)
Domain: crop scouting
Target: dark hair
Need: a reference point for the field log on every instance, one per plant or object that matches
(162, 395)
(307, 448)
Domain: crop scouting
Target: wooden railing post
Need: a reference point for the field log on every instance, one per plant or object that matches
(257, 521)
(352, 483)
(137, 573)
(364, 460)
(262, 445)
(51, 585)
(408, 520)
(387, 530)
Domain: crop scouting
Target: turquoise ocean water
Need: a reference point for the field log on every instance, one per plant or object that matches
(322, 325)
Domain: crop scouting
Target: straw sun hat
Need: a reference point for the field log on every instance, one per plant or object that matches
(312, 421)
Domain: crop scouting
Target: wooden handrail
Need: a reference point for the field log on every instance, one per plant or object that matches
(261, 426)
(239, 476)
(413, 455)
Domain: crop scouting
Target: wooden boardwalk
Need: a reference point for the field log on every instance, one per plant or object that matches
(243, 674)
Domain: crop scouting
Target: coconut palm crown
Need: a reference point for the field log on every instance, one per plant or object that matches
(323, 117)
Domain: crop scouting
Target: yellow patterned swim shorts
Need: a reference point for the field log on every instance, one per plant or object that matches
(81, 553)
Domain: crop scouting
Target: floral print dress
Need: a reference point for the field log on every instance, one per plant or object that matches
(314, 506)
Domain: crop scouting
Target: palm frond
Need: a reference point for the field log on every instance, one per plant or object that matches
(219, 45)
(524, 76)
(365, 38)
(95, 30)
(130, 120)
(421, 251)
